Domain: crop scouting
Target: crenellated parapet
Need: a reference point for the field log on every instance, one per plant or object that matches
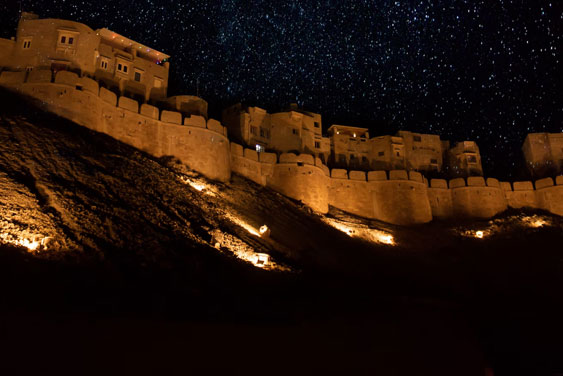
(199, 143)
(397, 196)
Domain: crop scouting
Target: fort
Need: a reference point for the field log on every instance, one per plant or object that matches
(113, 85)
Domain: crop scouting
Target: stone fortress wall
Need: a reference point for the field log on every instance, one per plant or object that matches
(199, 143)
(397, 196)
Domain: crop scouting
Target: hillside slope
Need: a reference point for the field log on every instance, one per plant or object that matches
(92, 225)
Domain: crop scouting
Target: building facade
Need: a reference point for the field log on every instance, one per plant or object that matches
(349, 147)
(543, 153)
(115, 61)
(464, 159)
(293, 130)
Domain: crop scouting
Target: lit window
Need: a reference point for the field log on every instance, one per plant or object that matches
(260, 148)
(26, 43)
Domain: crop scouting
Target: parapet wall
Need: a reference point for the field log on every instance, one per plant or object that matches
(397, 197)
(200, 144)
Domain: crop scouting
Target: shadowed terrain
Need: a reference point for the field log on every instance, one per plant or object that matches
(142, 264)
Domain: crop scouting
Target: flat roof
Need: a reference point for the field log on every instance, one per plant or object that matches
(125, 42)
(347, 128)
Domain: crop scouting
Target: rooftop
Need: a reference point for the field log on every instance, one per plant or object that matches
(126, 43)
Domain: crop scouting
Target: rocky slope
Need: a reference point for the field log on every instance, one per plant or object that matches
(90, 224)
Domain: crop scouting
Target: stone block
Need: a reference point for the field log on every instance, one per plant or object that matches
(476, 181)
(288, 158)
(325, 169)
(66, 78)
(171, 117)
(149, 111)
(236, 149)
(506, 186)
(542, 183)
(523, 186)
(89, 85)
(337, 173)
(10, 78)
(318, 162)
(492, 182)
(108, 96)
(439, 183)
(559, 180)
(195, 121)
(357, 175)
(456, 183)
(251, 154)
(128, 104)
(215, 126)
(398, 175)
(268, 157)
(415, 176)
(42, 76)
(377, 175)
(306, 159)
(225, 132)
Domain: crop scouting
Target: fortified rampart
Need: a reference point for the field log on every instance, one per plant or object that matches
(397, 196)
(201, 144)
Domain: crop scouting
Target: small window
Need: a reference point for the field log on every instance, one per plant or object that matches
(260, 148)
(122, 68)
(398, 153)
(67, 38)
(253, 130)
(417, 138)
(262, 132)
(317, 145)
(317, 124)
(352, 156)
(472, 159)
(104, 63)
(381, 154)
(295, 131)
(138, 76)
(433, 161)
(26, 43)
(29, 69)
(364, 159)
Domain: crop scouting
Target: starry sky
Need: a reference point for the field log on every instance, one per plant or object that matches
(483, 70)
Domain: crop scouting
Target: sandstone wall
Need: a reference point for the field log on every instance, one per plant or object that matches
(396, 197)
(80, 100)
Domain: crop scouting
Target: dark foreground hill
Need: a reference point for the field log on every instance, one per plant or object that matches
(114, 261)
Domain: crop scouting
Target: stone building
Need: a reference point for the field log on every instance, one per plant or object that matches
(349, 147)
(464, 159)
(117, 62)
(423, 152)
(543, 153)
(387, 153)
(294, 130)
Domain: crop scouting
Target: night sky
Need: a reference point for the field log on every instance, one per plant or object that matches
(488, 71)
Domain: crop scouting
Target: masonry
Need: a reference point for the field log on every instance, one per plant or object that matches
(179, 127)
